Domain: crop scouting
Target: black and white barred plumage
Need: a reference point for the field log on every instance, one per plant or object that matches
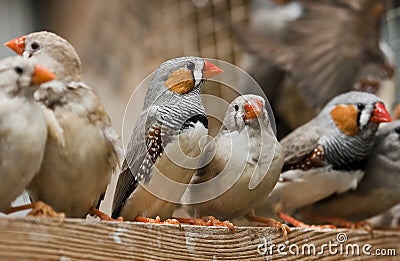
(166, 115)
(328, 155)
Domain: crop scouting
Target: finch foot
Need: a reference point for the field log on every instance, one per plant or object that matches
(342, 223)
(39, 209)
(157, 220)
(270, 222)
(207, 221)
(101, 214)
(298, 223)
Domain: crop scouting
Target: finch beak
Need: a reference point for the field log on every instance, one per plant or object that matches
(253, 108)
(41, 75)
(17, 44)
(210, 70)
(380, 114)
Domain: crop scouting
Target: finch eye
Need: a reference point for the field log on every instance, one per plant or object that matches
(35, 46)
(19, 70)
(190, 66)
(236, 107)
(360, 106)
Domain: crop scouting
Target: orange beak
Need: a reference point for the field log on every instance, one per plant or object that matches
(380, 114)
(253, 108)
(41, 75)
(17, 44)
(210, 70)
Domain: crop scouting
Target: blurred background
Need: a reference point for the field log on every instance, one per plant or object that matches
(121, 42)
(321, 48)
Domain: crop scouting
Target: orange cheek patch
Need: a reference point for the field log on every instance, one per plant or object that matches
(345, 118)
(180, 81)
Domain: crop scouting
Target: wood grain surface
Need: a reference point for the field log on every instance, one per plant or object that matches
(75, 239)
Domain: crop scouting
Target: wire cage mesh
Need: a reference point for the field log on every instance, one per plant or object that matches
(120, 43)
(392, 25)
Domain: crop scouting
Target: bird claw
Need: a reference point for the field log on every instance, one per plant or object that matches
(298, 223)
(157, 220)
(207, 221)
(342, 223)
(102, 215)
(212, 221)
(363, 225)
(40, 209)
(282, 227)
(303, 225)
(357, 225)
(270, 222)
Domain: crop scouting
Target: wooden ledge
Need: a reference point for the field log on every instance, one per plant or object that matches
(76, 239)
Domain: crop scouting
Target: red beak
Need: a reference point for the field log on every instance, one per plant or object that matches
(210, 70)
(17, 44)
(380, 114)
(253, 108)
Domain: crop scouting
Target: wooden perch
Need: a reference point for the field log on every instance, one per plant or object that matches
(75, 239)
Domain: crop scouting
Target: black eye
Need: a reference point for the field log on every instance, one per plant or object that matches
(236, 107)
(190, 66)
(19, 70)
(360, 106)
(397, 129)
(35, 46)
